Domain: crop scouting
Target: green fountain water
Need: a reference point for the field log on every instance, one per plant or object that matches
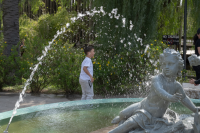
(76, 118)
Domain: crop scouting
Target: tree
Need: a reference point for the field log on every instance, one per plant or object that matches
(11, 34)
(10, 24)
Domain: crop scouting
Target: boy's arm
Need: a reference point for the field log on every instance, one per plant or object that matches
(86, 64)
(86, 71)
(185, 100)
(158, 88)
(197, 82)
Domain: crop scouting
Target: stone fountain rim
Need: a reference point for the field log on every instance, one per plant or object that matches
(32, 109)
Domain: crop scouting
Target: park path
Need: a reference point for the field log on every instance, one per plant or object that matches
(8, 99)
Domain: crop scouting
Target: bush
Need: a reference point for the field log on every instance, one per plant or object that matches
(60, 67)
(128, 71)
(36, 35)
(68, 62)
(48, 25)
(27, 27)
(42, 77)
(118, 68)
(10, 73)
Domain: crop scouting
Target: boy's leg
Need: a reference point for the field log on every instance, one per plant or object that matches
(127, 126)
(83, 88)
(83, 95)
(90, 92)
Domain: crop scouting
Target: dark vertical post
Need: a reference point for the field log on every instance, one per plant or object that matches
(185, 35)
(180, 37)
(50, 7)
(0, 18)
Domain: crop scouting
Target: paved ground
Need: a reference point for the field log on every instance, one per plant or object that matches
(8, 99)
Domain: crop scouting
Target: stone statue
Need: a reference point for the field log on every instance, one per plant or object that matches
(152, 114)
(194, 60)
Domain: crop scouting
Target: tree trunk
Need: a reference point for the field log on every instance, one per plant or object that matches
(0, 28)
(51, 8)
(11, 24)
(11, 28)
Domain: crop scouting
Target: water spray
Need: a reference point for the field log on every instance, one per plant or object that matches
(28, 82)
(80, 15)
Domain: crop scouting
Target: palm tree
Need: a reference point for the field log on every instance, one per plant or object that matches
(10, 24)
(10, 33)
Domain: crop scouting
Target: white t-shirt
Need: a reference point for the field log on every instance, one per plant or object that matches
(86, 62)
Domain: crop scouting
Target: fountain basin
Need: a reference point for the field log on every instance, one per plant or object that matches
(72, 117)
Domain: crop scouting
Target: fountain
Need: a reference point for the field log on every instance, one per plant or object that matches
(66, 116)
(77, 117)
(152, 114)
(73, 116)
(28, 82)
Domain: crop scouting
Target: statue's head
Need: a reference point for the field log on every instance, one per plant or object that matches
(171, 62)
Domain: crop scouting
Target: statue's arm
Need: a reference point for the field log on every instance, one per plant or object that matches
(158, 88)
(189, 104)
(185, 100)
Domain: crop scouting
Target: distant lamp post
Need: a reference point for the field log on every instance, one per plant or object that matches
(185, 35)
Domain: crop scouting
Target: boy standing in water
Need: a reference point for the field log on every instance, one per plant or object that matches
(86, 76)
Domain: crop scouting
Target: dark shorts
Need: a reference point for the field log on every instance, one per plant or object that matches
(197, 70)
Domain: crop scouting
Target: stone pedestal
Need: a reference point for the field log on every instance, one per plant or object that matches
(191, 90)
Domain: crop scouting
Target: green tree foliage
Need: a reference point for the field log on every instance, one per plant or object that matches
(170, 18)
(150, 19)
(40, 4)
(68, 62)
(9, 63)
(36, 37)
(127, 44)
(48, 24)
(61, 66)
(35, 5)
(128, 71)
(193, 16)
(143, 14)
(122, 35)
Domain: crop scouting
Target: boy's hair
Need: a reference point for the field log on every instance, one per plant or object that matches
(178, 56)
(88, 48)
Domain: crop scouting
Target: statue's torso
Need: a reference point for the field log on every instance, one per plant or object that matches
(154, 104)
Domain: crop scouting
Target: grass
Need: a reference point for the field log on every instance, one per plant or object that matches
(48, 90)
(51, 89)
(16, 88)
